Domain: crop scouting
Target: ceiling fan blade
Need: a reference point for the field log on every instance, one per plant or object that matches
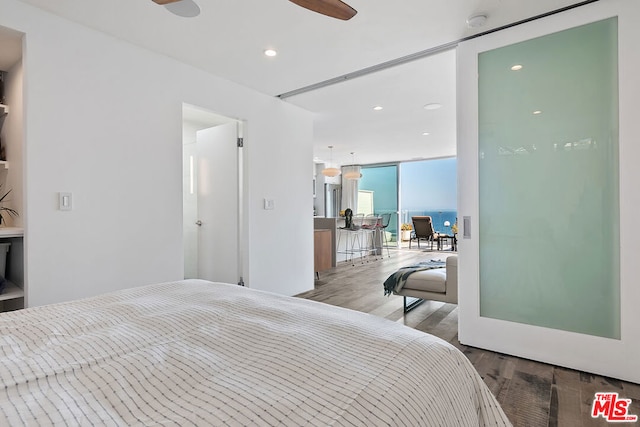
(165, 1)
(333, 8)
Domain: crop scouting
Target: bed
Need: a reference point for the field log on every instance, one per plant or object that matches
(205, 354)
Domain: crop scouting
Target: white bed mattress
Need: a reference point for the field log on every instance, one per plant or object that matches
(206, 354)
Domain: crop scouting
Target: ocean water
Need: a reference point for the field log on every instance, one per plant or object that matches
(438, 217)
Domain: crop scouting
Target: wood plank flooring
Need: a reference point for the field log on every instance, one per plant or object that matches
(531, 393)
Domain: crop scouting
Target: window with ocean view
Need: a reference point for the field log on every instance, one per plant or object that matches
(429, 187)
(425, 187)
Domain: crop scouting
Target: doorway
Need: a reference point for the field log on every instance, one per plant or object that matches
(211, 196)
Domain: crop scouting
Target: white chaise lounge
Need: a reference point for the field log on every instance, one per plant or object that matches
(439, 284)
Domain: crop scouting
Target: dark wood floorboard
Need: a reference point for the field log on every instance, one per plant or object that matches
(531, 393)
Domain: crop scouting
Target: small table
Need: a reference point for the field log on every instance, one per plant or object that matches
(442, 237)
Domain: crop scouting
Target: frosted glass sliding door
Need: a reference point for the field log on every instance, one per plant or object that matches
(548, 181)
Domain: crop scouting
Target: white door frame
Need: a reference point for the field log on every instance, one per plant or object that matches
(196, 119)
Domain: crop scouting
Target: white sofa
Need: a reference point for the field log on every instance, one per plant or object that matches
(439, 284)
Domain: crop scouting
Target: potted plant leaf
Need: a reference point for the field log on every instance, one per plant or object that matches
(406, 228)
(5, 210)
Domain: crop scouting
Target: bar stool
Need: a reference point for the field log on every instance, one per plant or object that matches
(352, 237)
(385, 219)
(370, 230)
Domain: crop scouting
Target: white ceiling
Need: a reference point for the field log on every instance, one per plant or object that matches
(229, 37)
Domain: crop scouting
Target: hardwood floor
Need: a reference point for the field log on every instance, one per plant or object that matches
(531, 393)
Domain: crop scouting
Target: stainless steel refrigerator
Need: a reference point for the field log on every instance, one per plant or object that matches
(332, 200)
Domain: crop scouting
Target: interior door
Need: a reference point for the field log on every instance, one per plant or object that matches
(218, 203)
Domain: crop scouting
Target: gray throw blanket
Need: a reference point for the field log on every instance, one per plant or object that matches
(396, 281)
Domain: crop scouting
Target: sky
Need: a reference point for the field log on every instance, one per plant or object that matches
(429, 185)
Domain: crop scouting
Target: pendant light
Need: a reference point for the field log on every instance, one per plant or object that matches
(331, 171)
(355, 172)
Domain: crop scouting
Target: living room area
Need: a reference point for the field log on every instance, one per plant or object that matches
(408, 189)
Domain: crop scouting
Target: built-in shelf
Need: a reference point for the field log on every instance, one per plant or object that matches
(4, 109)
(11, 232)
(10, 292)
(13, 295)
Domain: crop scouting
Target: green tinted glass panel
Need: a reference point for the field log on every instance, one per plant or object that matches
(548, 176)
(383, 181)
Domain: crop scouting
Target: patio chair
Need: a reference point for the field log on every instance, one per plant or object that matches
(422, 230)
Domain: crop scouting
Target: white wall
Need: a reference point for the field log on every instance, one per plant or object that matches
(277, 172)
(610, 357)
(103, 120)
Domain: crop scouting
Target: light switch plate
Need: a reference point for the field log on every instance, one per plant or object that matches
(269, 204)
(65, 201)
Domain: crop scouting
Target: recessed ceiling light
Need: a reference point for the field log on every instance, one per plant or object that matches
(432, 106)
(476, 21)
(516, 67)
(184, 8)
(377, 108)
(425, 133)
(537, 112)
(270, 52)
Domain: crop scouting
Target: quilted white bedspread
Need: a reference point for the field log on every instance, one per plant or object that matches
(207, 354)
